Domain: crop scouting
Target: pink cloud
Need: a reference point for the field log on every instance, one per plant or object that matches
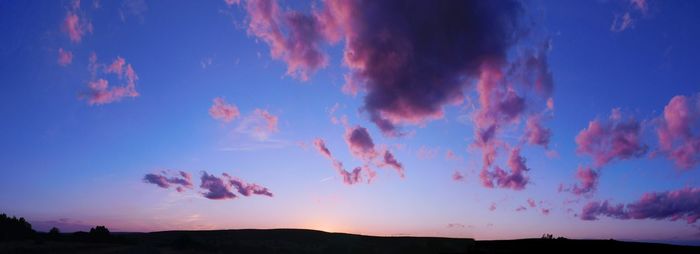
(299, 48)
(535, 134)
(535, 71)
(322, 149)
(394, 64)
(515, 179)
(74, 25)
(259, 124)
(223, 111)
(592, 210)
(499, 106)
(390, 160)
(457, 176)
(384, 54)
(531, 202)
(247, 189)
(450, 155)
(361, 146)
(100, 92)
(616, 138)
(360, 143)
(269, 119)
(426, 153)
(550, 104)
(682, 204)
(640, 5)
(626, 20)
(588, 178)
(219, 188)
(622, 22)
(65, 57)
(232, 2)
(349, 177)
(216, 188)
(492, 207)
(183, 180)
(117, 67)
(678, 135)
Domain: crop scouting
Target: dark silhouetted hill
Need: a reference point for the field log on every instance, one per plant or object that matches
(312, 241)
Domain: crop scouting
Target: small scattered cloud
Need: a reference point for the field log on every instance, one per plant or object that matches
(632, 11)
(457, 176)
(259, 125)
(427, 153)
(162, 179)
(206, 62)
(588, 181)
(515, 179)
(132, 8)
(223, 111)
(451, 156)
(101, 92)
(349, 177)
(65, 57)
(75, 24)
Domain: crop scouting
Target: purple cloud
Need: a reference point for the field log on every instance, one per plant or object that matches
(588, 178)
(349, 177)
(679, 131)
(219, 188)
(247, 189)
(682, 204)
(616, 138)
(360, 143)
(161, 179)
(515, 179)
(389, 59)
(391, 161)
(299, 47)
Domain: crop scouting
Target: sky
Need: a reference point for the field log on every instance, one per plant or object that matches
(480, 119)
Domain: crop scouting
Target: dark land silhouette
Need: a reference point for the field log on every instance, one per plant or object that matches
(17, 236)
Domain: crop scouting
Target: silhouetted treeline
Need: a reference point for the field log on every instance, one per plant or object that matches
(12, 228)
(17, 229)
(551, 237)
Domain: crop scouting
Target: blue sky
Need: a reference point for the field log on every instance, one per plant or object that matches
(64, 158)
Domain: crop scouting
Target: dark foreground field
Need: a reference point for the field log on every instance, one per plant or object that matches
(310, 241)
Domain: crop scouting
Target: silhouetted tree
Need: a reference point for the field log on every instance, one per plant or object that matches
(54, 233)
(99, 233)
(15, 229)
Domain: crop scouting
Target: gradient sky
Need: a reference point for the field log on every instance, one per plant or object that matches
(161, 115)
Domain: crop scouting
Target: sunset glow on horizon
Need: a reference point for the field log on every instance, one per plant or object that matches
(478, 119)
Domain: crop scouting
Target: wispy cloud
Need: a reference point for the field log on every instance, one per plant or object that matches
(100, 91)
(75, 24)
(223, 111)
(65, 57)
